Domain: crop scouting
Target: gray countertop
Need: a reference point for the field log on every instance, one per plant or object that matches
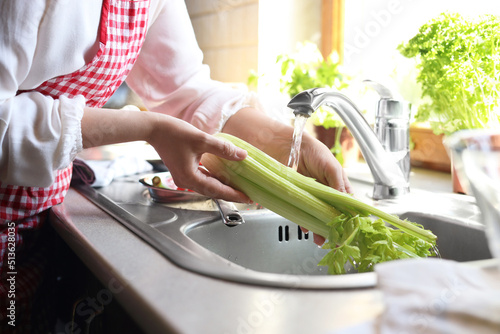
(162, 297)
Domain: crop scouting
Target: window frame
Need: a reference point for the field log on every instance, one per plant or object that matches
(332, 28)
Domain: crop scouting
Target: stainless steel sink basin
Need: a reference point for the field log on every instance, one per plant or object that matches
(272, 244)
(270, 250)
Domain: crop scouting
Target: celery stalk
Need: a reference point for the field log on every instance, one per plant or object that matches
(342, 201)
(265, 198)
(278, 185)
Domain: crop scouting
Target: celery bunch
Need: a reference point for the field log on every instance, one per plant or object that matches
(356, 232)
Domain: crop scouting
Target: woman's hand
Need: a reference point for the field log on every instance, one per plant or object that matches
(318, 162)
(275, 139)
(181, 145)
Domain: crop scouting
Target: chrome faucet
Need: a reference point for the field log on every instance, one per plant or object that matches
(385, 148)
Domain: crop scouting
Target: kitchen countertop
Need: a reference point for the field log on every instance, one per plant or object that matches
(162, 297)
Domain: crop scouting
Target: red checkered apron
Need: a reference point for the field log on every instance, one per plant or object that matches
(24, 209)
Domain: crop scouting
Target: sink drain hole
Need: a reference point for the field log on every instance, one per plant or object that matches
(301, 234)
(283, 233)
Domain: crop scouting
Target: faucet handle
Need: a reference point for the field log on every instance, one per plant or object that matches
(392, 128)
(391, 104)
(383, 91)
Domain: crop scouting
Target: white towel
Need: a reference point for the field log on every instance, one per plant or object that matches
(435, 296)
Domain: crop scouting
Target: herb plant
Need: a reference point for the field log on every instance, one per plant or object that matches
(307, 69)
(459, 67)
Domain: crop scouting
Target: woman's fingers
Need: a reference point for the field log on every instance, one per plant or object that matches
(318, 239)
(224, 149)
(347, 183)
(212, 187)
(200, 180)
(204, 183)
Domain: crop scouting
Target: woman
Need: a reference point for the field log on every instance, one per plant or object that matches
(59, 63)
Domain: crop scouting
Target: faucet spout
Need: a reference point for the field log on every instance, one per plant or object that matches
(390, 179)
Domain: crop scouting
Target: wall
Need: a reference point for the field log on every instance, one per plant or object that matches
(237, 36)
(283, 24)
(227, 33)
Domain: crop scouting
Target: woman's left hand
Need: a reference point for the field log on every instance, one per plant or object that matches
(318, 162)
(275, 139)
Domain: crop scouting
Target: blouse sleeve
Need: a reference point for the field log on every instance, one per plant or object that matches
(38, 135)
(170, 78)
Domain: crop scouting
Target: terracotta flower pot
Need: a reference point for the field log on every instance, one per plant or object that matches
(457, 185)
(428, 150)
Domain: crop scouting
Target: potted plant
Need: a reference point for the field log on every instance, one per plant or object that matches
(458, 63)
(307, 69)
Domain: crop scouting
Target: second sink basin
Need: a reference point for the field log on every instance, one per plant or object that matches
(268, 243)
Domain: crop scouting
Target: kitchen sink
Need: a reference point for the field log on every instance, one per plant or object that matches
(269, 250)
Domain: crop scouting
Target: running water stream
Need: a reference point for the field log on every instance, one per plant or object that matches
(299, 124)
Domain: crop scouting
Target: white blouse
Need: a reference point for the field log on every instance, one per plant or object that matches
(42, 39)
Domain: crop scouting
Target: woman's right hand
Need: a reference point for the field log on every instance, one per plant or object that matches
(181, 146)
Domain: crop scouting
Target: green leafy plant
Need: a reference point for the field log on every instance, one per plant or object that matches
(307, 69)
(458, 60)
